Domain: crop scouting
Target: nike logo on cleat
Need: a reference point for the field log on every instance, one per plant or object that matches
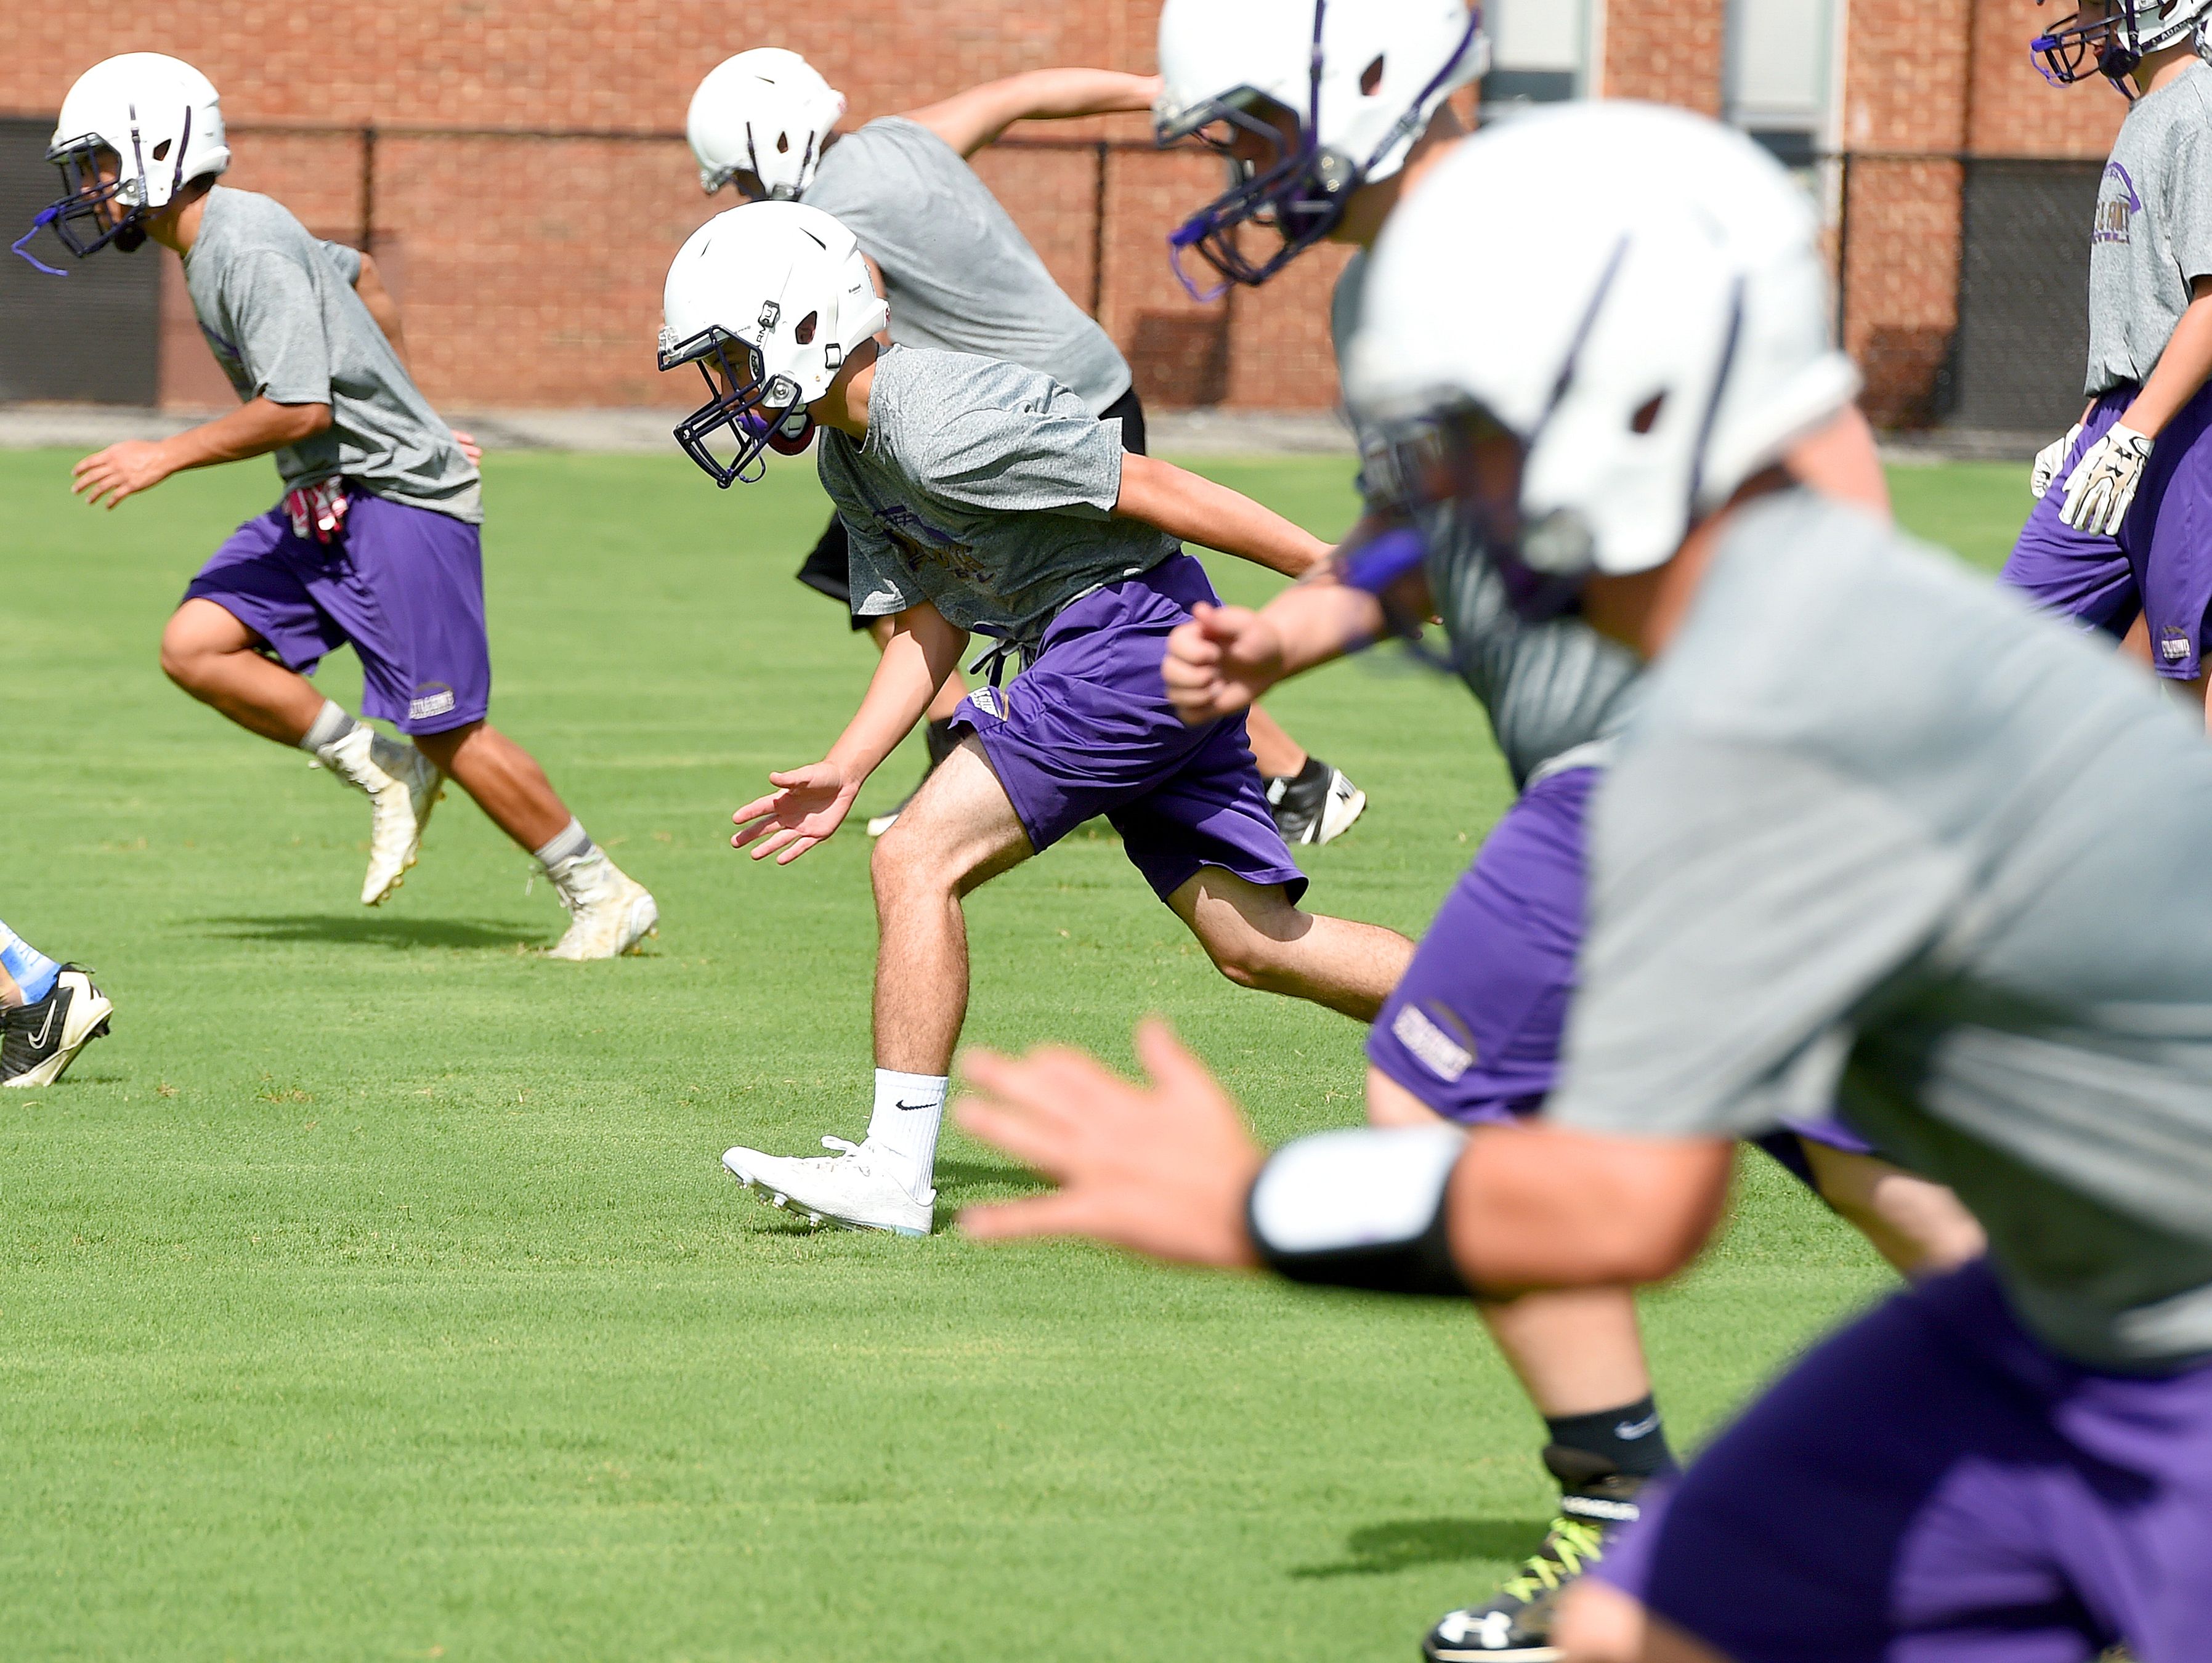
(39, 1039)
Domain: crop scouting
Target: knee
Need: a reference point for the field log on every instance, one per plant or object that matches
(905, 866)
(183, 657)
(1249, 958)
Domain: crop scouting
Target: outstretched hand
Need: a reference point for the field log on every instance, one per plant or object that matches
(1163, 1170)
(123, 469)
(808, 805)
(1221, 662)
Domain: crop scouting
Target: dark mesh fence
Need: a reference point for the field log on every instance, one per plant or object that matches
(2023, 335)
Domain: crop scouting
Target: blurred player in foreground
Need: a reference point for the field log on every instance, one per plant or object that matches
(981, 496)
(48, 1013)
(376, 543)
(1323, 145)
(960, 278)
(1876, 836)
(2118, 539)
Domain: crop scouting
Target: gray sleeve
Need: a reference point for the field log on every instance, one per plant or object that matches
(881, 583)
(2188, 217)
(280, 326)
(347, 261)
(1744, 901)
(1022, 460)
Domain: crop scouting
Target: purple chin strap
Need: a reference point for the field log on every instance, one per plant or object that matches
(46, 216)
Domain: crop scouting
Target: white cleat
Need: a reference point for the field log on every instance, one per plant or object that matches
(38, 1042)
(846, 1188)
(608, 912)
(403, 785)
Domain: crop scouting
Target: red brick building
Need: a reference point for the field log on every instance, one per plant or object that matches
(515, 168)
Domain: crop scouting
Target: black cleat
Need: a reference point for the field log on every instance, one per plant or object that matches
(38, 1042)
(1597, 1501)
(1314, 805)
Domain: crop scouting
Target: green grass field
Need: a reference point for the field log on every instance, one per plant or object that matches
(375, 1292)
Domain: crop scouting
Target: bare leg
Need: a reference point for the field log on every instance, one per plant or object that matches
(1919, 1227)
(1601, 1625)
(505, 780)
(1279, 756)
(1257, 938)
(1576, 1352)
(211, 654)
(959, 832)
(949, 695)
(10, 994)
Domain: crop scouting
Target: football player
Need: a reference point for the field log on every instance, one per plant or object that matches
(960, 277)
(2117, 540)
(375, 544)
(980, 496)
(1878, 835)
(48, 1013)
(1328, 114)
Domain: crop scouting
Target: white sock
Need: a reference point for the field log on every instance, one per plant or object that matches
(332, 724)
(909, 1109)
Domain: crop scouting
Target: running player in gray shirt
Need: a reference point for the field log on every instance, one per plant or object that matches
(2116, 541)
(1878, 836)
(376, 543)
(983, 497)
(1473, 1033)
(960, 278)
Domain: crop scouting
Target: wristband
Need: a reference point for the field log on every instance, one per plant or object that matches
(1360, 1209)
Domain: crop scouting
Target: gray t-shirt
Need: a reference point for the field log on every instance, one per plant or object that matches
(959, 275)
(279, 310)
(1555, 693)
(1881, 837)
(2153, 235)
(984, 488)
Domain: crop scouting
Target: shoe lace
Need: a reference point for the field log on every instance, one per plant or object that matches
(1570, 1547)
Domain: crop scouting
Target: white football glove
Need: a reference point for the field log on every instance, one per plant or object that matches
(2102, 487)
(2049, 460)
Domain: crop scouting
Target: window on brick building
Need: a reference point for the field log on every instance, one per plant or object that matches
(1780, 85)
(1539, 51)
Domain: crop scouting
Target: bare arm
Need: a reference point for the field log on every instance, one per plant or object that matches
(2182, 370)
(369, 285)
(256, 427)
(1193, 509)
(1164, 1169)
(809, 803)
(968, 121)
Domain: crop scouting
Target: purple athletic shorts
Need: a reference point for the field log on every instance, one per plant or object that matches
(1934, 1485)
(2161, 564)
(1087, 730)
(403, 585)
(1474, 1028)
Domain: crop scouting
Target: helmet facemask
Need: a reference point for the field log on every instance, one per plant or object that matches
(762, 412)
(81, 217)
(2113, 45)
(1300, 189)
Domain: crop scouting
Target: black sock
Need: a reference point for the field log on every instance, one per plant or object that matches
(1314, 773)
(941, 740)
(1631, 1439)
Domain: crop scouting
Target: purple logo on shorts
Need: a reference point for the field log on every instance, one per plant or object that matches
(2116, 214)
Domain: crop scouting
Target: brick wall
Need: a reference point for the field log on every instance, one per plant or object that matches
(530, 269)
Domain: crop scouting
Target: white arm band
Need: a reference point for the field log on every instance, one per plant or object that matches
(1360, 1209)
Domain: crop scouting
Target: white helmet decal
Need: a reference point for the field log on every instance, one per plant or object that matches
(1637, 297)
(776, 295)
(766, 113)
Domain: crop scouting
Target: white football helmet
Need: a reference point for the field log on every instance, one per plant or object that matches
(162, 120)
(1635, 296)
(1359, 80)
(766, 113)
(768, 300)
(2114, 42)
